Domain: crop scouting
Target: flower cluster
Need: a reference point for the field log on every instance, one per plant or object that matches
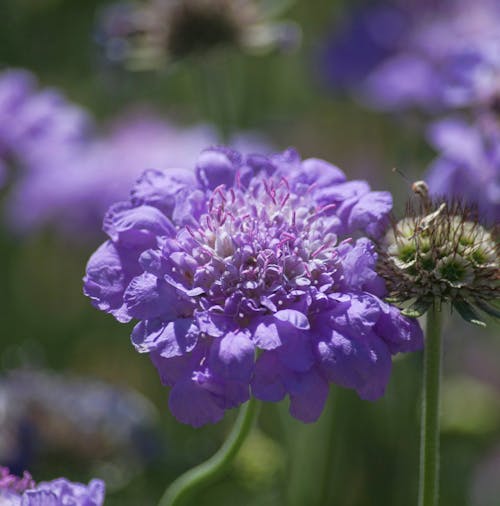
(468, 164)
(243, 277)
(16, 491)
(439, 252)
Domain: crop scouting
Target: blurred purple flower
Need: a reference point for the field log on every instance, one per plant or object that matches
(15, 491)
(36, 126)
(447, 56)
(79, 187)
(468, 164)
(450, 59)
(359, 41)
(238, 279)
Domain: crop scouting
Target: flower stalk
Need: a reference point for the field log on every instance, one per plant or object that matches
(216, 465)
(429, 436)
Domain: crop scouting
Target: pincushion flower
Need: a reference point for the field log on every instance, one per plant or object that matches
(15, 491)
(245, 281)
(468, 164)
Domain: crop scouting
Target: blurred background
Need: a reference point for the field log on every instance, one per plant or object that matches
(93, 92)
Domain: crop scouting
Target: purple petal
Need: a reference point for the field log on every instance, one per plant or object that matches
(371, 213)
(296, 353)
(295, 318)
(308, 395)
(265, 333)
(148, 297)
(268, 383)
(214, 324)
(171, 340)
(232, 357)
(400, 333)
(190, 403)
(106, 279)
(363, 364)
(136, 226)
(158, 188)
(216, 167)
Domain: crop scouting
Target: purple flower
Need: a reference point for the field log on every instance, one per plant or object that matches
(468, 163)
(16, 491)
(245, 281)
(75, 192)
(35, 125)
(359, 42)
(451, 59)
(431, 57)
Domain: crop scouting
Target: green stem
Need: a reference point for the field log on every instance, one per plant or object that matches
(429, 436)
(217, 464)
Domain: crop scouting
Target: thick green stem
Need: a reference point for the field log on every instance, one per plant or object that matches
(428, 491)
(217, 464)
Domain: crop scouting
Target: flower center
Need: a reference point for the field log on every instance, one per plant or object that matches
(259, 245)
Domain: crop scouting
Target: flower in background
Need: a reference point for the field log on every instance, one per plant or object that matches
(36, 126)
(447, 56)
(243, 276)
(450, 59)
(76, 191)
(149, 35)
(359, 41)
(468, 163)
(89, 419)
(15, 491)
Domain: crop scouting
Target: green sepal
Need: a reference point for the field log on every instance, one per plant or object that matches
(418, 308)
(488, 308)
(393, 300)
(466, 311)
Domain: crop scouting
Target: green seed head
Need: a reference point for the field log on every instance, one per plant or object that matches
(439, 252)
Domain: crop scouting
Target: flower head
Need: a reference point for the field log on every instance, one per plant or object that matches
(152, 34)
(242, 276)
(440, 252)
(23, 491)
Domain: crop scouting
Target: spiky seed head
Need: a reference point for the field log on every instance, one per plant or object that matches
(440, 253)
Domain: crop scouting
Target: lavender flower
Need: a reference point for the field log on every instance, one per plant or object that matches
(16, 491)
(359, 42)
(75, 192)
(35, 126)
(449, 59)
(240, 281)
(468, 163)
(419, 55)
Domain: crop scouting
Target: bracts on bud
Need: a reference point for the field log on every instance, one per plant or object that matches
(439, 252)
